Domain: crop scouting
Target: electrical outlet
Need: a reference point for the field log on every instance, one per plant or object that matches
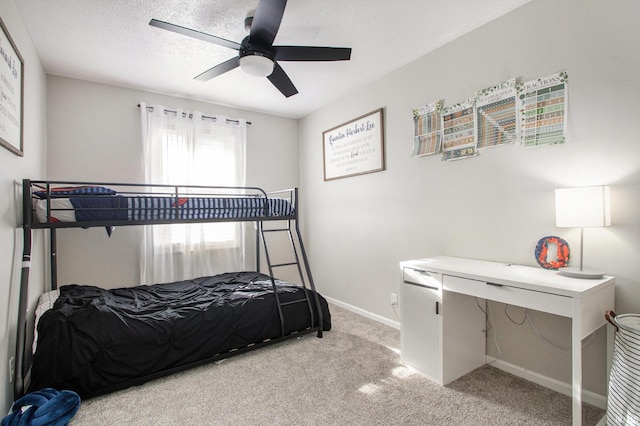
(12, 368)
(394, 299)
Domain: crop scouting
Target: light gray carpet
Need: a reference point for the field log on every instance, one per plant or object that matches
(352, 376)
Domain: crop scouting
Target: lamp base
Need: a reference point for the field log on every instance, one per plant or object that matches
(592, 274)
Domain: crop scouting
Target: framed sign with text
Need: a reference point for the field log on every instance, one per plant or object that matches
(11, 93)
(355, 147)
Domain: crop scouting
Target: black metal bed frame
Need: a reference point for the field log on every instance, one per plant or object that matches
(22, 369)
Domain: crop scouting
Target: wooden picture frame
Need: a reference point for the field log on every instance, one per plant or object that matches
(11, 94)
(355, 147)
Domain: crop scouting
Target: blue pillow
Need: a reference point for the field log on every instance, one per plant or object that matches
(75, 190)
(46, 407)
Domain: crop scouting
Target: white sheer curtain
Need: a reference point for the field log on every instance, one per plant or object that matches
(185, 148)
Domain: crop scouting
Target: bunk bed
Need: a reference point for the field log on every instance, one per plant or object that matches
(94, 341)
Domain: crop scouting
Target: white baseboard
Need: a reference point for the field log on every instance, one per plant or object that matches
(589, 397)
(367, 314)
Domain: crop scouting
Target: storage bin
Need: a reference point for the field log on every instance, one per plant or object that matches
(623, 405)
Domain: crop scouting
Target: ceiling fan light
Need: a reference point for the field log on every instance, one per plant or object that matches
(256, 65)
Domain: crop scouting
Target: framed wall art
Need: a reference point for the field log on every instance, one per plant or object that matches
(355, 147)
(11, 93)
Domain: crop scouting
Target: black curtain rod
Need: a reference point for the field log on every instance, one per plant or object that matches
(150, 108)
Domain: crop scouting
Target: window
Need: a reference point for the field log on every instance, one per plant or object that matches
(189, 149)
(213, 163)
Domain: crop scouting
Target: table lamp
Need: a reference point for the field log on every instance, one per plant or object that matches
(582, 207)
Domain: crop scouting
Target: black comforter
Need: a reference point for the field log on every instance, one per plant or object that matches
(95, 341)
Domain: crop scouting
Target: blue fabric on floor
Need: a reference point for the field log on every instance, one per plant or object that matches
(47, 406)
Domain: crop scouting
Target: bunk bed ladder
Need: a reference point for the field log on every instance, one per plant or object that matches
(315, 322)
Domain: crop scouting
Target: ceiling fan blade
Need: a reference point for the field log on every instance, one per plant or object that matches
(266, 22)
(218, 70)
(311, 53)
(195, 34)
(281, 80)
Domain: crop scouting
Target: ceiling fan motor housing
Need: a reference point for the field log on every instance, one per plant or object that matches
(255, 60)
(247, 48)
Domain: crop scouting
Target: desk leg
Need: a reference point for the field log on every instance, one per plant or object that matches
(576, 365)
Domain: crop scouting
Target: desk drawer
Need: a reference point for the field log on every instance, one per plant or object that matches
(421, 278)
(553, 303)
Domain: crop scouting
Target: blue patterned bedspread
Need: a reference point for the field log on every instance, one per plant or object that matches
(140, 208)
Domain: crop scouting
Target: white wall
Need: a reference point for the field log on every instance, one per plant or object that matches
(94, 135)
(12, 170)
(498, 205)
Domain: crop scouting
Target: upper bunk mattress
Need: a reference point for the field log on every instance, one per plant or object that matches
(150, 208)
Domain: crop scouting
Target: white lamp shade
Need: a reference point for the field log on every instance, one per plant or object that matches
(583, 207)
(256, 65)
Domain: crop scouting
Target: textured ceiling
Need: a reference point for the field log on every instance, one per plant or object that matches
(110, 41)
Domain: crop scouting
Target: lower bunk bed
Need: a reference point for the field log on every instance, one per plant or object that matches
(95, 341)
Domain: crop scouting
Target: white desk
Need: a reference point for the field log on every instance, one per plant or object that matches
(582, 300)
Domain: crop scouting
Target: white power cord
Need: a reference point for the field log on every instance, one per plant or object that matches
(526, 318)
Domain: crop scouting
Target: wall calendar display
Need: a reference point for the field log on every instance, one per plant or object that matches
(496, 115)
(427, 135)
(459, 127)
(530, 114)
(543, 110)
